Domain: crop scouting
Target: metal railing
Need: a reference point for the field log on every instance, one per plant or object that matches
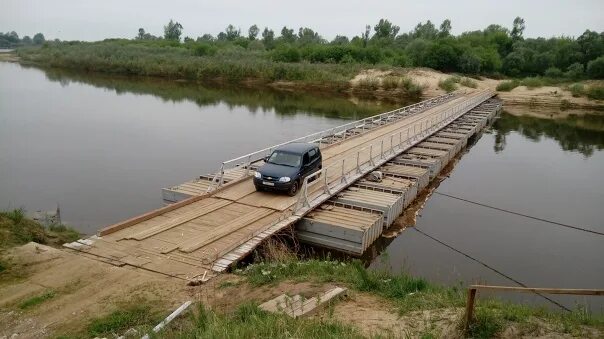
(377, 153)
(349, 168)
(245, 161)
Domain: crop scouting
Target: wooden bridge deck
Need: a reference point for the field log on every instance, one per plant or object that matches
(183, 240)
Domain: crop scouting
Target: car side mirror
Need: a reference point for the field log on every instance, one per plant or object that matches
(265, 159)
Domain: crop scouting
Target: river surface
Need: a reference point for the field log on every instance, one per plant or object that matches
(102, 148)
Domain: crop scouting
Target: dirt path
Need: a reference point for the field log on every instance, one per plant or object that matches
(82, 288)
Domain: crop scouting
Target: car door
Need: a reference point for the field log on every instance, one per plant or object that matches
(306, 165)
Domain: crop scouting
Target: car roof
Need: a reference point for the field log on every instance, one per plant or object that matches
(296, 147)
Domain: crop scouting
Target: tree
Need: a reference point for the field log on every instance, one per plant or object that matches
(365, 35)
(425, 31)
(591, 44)
(287, 35)
(26, 40)
(268, 38)
(141, 34)
(595, 68)
(340, 40)
(307, 35)
(385, 30)
(232, 33)
(252, 33)
(445, 29)
(38, 39)
(575, 71)
(518, 28)
(205, 38)
(469, 63)
(188, 39)
(173, 31)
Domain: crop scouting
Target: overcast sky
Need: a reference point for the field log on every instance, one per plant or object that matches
(99, 19)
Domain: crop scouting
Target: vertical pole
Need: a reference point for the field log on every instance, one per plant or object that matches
(392, 143)
(382, 149)
(358, 167)
(371, 154)
(221, 175)
(470, 308)
(400, 139)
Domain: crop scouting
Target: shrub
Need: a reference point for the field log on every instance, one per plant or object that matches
(577, 89)
(532, 82)
(203, 49)
(390, 82)
(468, 83)
(286, 54)
(596, 92)
(595, 68)
(553, 72)
(575, 71)
(369, 83)
(506, 86)
(449, 84)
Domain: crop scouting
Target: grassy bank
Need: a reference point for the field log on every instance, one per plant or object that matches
(16, 229)
(228, 64)
(409, 296)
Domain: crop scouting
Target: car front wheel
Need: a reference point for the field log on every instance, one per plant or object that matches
(293, 189)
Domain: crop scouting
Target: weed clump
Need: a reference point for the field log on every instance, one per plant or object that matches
(506, 86)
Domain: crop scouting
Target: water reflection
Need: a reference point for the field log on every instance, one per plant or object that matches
(254, 99)
(583, 134)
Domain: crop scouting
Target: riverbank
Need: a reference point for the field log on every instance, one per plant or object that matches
(50, 292)
(382, 82)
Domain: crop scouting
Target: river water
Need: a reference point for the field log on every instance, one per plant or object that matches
(102, 147)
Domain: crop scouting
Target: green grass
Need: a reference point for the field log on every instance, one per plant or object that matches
(391, 82)
(467, 82)
(532, 82)
(36, 300)
(449, 84)
(16, 229)
(119, 321)
(577, 89)
(408, 293)
(506, 86)
(248, 321)
(595, 92)
(368, 84)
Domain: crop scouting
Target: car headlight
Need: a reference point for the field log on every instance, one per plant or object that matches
(257, 175)
(285, 179)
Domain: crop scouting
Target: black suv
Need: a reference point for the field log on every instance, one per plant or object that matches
(285, 169)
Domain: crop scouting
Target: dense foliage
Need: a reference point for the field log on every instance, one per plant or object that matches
(492, 51)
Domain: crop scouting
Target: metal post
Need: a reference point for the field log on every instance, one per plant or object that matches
(343, 179)
(470, 308)
(221, 181)
(358, 167)
(392, 143)
(326, 188)
(382, 149)
(371, 155)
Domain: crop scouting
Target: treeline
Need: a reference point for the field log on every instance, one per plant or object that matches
(493, 51)
(12, 40)
(305, 56)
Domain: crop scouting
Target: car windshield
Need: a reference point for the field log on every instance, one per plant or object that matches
(284, 158)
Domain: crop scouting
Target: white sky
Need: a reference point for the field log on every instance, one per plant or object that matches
(99, 19)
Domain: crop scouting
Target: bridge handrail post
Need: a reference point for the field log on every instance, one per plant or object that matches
(382, 149)
(221, 178)
(371, 155)
(358, 167)
(343, 179)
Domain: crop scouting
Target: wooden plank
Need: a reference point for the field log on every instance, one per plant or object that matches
(179, 220)
(204, 239)
(572, 291)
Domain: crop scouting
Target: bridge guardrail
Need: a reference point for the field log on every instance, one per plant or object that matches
(307, 201)
(376, 152)
(245, 161)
